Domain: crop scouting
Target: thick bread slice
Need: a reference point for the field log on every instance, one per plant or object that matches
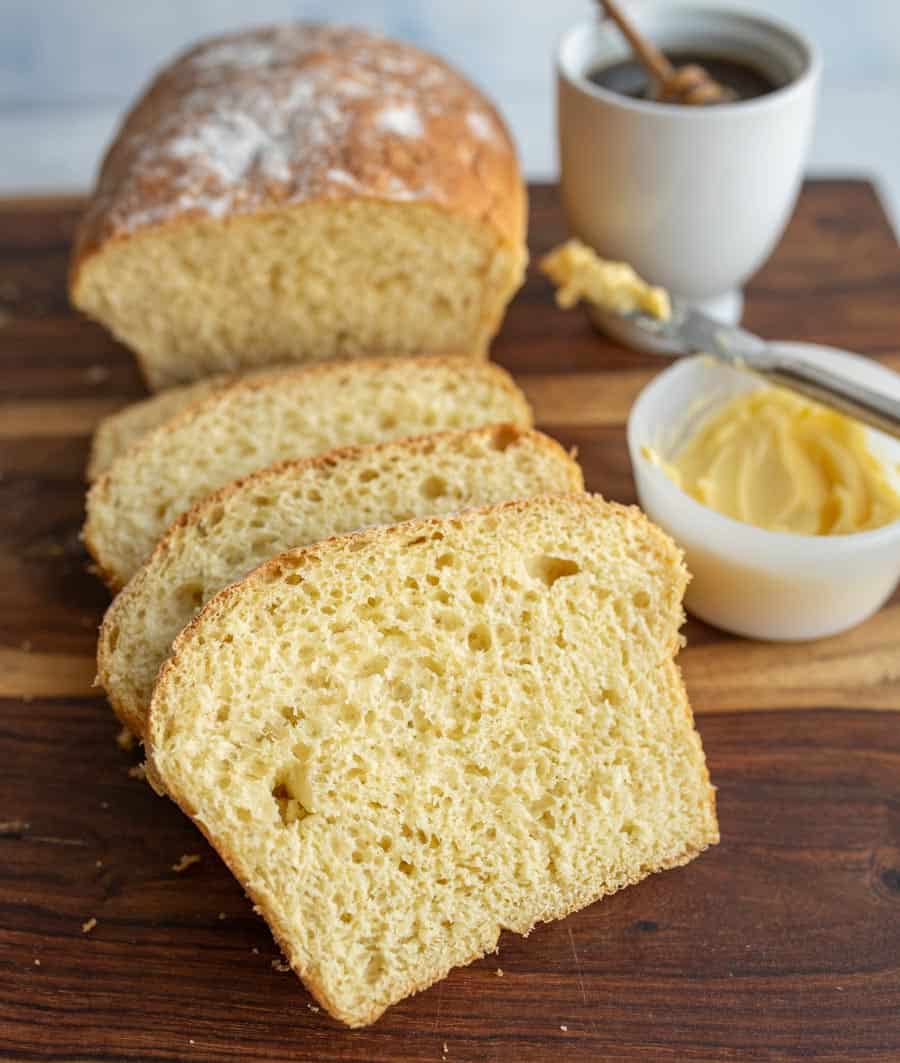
(294, 504)
(270, 417)
(116, 433)
(405, 740)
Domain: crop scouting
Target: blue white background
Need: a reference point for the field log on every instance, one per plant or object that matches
(69, 67)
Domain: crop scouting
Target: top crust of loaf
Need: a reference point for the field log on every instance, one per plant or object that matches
(258, 120)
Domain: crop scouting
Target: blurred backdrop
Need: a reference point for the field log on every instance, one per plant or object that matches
(69, 67)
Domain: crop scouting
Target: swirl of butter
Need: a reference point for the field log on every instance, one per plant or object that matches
(775, 460)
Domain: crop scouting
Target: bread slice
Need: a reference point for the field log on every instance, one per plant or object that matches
(294, 504)
(270, 417)
(405, 740)
(116, 433)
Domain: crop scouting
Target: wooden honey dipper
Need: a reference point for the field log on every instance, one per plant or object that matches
(690, 85)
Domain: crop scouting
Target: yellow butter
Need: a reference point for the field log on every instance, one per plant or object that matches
(776, 460)
(579, 273)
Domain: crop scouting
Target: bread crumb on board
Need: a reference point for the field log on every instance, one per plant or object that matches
(97, 374)
(312, 1007)
(87, 927)
(565, 1029)
(186, 861)
(221, 915)
(499, 972)
(280, 965)
(37, 963)
(139, 771)
(125, 740)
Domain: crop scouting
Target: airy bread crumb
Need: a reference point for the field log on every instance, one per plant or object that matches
(124, 739)
(296, 503)
(186, 861)
(405, 740)
(271, 417)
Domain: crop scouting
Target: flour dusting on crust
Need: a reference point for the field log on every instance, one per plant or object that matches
(281, 115)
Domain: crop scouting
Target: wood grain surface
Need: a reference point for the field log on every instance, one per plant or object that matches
(782, 943)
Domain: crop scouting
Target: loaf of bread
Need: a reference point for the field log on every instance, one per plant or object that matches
(297, 503)
(298, 193)
(271, 417)
(405, 740)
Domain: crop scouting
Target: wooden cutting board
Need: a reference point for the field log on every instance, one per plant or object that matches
(781, 943)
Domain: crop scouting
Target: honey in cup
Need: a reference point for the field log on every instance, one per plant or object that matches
(780, 462)
(627, 77)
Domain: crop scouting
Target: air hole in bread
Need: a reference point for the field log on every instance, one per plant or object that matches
(215, 516)
(350, 714)
(374, 666)
(367, 475)
(290, 809)
(549, 569)
(292, 714)
(434, 487)
(505, 436)
(375, 969)
(479, 639)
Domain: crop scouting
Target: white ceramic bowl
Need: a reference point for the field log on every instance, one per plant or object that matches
(762, 584)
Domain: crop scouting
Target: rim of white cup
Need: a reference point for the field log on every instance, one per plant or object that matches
(720, 112)
(739, 534)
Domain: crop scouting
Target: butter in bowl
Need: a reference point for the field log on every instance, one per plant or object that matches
(828, 553)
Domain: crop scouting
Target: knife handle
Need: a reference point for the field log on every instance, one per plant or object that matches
(828, 388)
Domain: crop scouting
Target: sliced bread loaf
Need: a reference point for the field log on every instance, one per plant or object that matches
(301, 192)
(294, 504)
(270, 417)
(405, 740)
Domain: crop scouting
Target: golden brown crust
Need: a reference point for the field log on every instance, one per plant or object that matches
(262, 120)
(423, 444)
